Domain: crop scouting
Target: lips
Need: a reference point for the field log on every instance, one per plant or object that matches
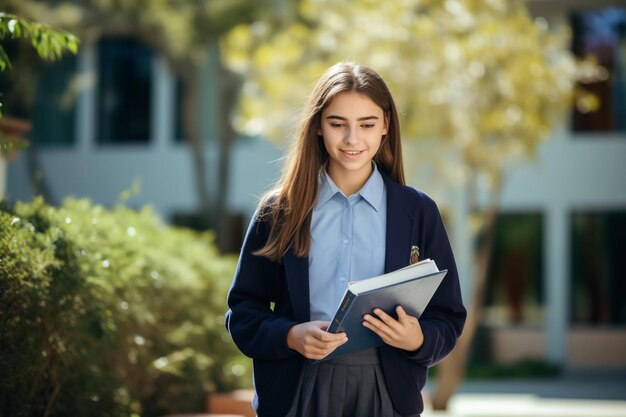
(351, 154)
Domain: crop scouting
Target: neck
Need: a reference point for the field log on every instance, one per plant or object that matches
(349, 182)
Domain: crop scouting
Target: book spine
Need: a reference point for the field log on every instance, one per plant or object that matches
(348, 299)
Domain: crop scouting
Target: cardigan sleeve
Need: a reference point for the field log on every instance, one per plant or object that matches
(443, 320)
(256, 329)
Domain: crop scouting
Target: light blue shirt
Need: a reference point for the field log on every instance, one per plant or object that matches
(347, 241)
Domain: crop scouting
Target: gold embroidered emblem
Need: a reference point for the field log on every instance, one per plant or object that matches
(415, 254)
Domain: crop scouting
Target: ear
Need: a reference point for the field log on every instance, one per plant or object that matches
(386, 128)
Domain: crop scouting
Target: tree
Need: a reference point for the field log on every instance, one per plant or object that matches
(479, 84)
(180, 31)
(50, 44)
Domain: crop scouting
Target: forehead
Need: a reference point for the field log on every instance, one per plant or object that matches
(351, 103)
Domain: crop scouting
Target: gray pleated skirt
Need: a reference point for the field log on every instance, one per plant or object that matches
(348, 386)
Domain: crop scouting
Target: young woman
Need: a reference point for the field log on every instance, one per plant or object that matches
(340, 213)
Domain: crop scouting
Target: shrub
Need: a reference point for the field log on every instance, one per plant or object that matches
(110, 313)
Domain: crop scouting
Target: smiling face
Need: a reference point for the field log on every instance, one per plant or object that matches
(352, 127)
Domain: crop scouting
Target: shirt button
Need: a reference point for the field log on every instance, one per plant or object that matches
(342, 278)
(346, 241)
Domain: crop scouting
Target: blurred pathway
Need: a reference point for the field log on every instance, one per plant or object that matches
(574, 394)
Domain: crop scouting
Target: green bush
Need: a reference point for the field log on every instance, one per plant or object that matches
(525, 368)
(110, 313)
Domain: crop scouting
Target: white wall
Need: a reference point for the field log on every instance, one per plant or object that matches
(166, 176)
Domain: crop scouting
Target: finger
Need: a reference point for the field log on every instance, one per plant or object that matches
(394, 324)
(319, 331)
(383, 316)
(316, 346)
(331, 337)
(382, 333)
(316, 343)
(312, 352)
(374, 321)
(319, 327)
(377, 326)
(335, 345)
(401, 313)
(404, 318)
(332, 349)
(323, 325)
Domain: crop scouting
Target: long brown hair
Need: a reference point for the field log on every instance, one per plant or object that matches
(289, 206)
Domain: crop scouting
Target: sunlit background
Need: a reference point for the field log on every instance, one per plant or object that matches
(514, 119)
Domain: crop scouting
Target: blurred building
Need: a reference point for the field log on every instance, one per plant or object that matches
(557, 280)
(111, 117)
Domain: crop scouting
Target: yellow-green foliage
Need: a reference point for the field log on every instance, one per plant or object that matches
(481, 83)
(110, 312)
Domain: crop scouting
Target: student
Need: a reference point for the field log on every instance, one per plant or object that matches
(340, 213)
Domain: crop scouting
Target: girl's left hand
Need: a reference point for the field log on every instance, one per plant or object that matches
(404, 333)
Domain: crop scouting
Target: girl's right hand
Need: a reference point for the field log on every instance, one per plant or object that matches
(312, 341)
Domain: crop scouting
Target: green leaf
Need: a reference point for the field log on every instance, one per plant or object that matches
(17, 29)
(4, 59)
(72, 43)
(11, 25)
(49, 43)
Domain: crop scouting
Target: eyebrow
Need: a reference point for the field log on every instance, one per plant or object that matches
(360, 119)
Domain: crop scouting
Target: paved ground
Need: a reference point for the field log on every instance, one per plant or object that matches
(573, 394)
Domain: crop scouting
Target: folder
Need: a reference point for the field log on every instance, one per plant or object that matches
(411, 287)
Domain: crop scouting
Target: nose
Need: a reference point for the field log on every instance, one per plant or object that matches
(351, 136)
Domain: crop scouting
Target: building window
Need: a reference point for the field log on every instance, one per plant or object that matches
(514, 291)
(124, 91)
(598, 268)
(602, 33)
(55, 103)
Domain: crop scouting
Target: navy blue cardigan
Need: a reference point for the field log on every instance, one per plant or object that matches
(260, 332)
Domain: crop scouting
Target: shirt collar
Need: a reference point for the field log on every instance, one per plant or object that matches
(372, 190)
(327, 188)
